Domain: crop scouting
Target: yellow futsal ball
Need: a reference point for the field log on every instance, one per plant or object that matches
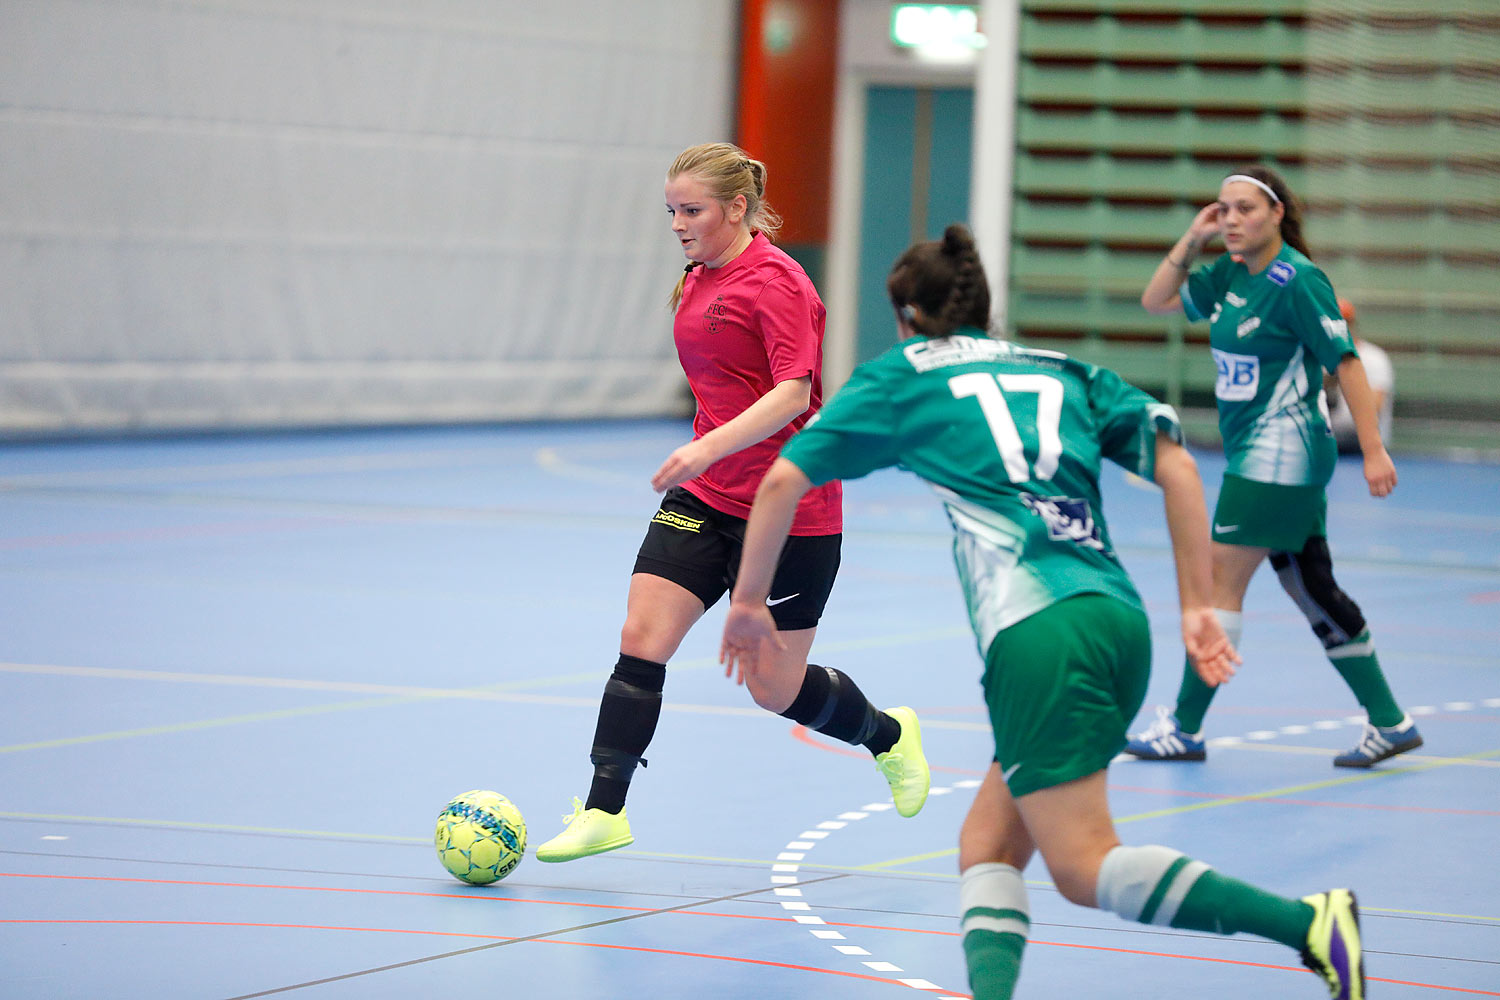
(481, 837)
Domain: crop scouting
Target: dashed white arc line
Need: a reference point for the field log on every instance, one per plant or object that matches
(784, 873)
(789, 894)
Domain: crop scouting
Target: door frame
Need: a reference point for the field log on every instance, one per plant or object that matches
(851, 105)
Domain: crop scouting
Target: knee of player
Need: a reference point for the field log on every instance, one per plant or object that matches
(1076, 883)
(642, 637)
(978, 851)
(982, 841)
(1075, 869)
(777, 680)
(1307, 577)
(765, 695)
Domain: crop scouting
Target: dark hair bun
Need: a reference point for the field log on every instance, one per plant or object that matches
(957, 240)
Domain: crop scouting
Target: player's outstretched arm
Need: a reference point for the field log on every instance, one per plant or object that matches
(1212, 655)
(749, 621)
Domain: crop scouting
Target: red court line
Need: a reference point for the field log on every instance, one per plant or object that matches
(486, 937)
(719, 958)
(803, 735)
(1260, 965)
(485, 897)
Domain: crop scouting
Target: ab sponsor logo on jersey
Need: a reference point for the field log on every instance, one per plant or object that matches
(1068, 519)
(1239, 376)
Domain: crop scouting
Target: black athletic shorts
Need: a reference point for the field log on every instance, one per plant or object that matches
(698, 548)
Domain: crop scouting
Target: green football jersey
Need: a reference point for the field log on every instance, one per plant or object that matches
(1012, 440)
(1270, 334)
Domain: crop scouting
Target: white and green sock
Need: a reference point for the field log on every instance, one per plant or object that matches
(1357, 663)
(1157, 885)
(996, 922)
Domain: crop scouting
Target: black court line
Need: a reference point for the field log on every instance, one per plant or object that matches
(520, 940)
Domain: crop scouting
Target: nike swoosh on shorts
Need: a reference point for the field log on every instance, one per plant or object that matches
(772, 602)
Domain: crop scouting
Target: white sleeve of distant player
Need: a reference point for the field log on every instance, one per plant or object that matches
(1378, 370)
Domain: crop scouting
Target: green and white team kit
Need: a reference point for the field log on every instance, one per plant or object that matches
(1270, 334)
(1012, 440)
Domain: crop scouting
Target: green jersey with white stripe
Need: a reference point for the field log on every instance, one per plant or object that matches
(1270, 334)
(1012, 440)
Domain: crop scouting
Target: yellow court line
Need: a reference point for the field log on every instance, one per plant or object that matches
(1327, 753)
(505, 691)
(246, 680)
(400, 695)
(1274, 793)
(1277, 793)
(182, 727)
(912, 859)
(1395, 911)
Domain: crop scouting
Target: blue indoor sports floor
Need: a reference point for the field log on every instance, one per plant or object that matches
(242, 674)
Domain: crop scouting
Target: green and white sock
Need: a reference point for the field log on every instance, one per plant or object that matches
(1157, 885)
(996, 922)
(1193, 696)
(1356, 662)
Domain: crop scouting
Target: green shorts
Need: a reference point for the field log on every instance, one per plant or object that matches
(1062, 686)
(1279, 518)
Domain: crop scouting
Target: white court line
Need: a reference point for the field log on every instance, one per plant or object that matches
(796, 851)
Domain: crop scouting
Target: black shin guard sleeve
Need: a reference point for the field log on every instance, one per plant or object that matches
(628, 714)
(812, 707)
(832, 704)
(629, 710)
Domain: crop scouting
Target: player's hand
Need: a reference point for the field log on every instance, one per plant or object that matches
(745, 627)
(1205, 226)
(1380, 473)
(1208, 648)
(687, 462)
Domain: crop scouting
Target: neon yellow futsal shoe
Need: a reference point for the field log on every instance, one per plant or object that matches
(1333, 949)
(905, 766)
(588, 831)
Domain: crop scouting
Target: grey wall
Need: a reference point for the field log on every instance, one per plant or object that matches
(227, 213)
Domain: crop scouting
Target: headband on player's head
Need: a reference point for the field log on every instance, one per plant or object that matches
(1257, 182)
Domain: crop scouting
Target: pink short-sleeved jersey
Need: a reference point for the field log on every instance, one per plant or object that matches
(740, 329)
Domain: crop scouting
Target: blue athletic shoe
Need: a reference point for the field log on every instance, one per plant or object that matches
(1380, 742)
(1165, 740)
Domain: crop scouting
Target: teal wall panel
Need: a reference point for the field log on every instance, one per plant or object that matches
(885, 210)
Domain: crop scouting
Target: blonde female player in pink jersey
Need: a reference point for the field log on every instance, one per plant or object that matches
(749, 332)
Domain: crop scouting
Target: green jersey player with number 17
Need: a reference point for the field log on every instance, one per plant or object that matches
(1012, 440)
